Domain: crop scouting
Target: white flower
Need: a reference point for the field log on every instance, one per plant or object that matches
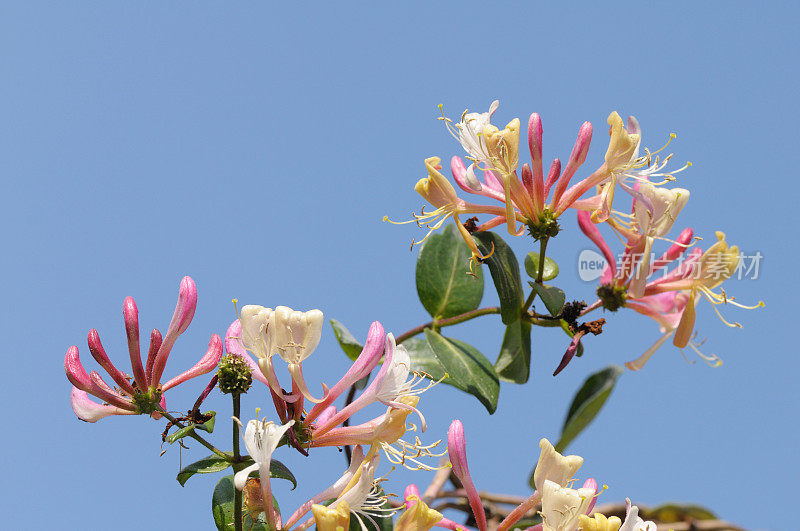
(469, 132)
(656, 218)
(296, 334)
(562, 506)
(553, 466)
(633, 522)
(256, 326)
(260, 438)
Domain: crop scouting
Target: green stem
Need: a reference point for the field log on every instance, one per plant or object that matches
(542, 249)
(539, 274)
(237, 494)
(194, 435)
(440, 323)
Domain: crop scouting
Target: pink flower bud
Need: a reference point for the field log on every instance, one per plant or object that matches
(100, 356)
(457, 450)
(206, 364)
(184, 311)
(131, 315)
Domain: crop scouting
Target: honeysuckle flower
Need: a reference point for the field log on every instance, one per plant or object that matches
(356, 461)
(622, 166)
(552, 466)
(261, 438)
(664, 307)
(417, 516)
(367, 360)
(525, 200)
(385, 432)
(144, 394)
(633, 522)
(598, 522)
(457, 450)
(394, 380)
(293, 335)
(715, 266)
(332, 518)
(654, 213)
(438, 191)
(562, 506)
(363, 495)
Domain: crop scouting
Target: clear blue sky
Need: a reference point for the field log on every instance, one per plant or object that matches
(257, 147)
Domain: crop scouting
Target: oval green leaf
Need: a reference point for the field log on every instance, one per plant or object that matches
(214, 463)
(469, 370)
(504, 268)
(532, 267)
(552, 297)
(514, 362)
(444, 285)
(587, 403)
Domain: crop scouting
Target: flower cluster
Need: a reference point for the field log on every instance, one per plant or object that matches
(143, 392)
(535, 201)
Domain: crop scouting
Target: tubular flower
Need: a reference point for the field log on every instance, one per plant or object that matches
(524, 200)
(363, 495)
(332, 518)
(438, 191)
(633, 522)
(670, 299)
(331, 492)
(394, 381)
(144, 394)
(654, 213)
(624, 167)
(385, 432)
(261, 438)
(293, 335)
(598, 522)
(457, 448)
(562, 506)
(417, 516)
(552, 466)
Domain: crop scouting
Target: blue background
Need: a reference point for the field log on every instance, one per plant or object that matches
(256, 148)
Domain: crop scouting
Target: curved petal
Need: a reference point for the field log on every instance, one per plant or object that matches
(181, 317)
(88, 410)
(206, 364)
(240, 478)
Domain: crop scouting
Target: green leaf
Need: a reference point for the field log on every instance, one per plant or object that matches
(514, 362)
(281, 471)
(504, 268)
(552, 297)
(469, 369)
(532, 267)
(443, 284)
(208, 465)
(222, 508)
(587, 403)
(350, 346)
(214, 463)
(424, 360)
(207, 426)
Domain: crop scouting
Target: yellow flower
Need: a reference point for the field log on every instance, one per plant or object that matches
(418, 517)
(332, 518)
(716, 265)
(598, 523)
